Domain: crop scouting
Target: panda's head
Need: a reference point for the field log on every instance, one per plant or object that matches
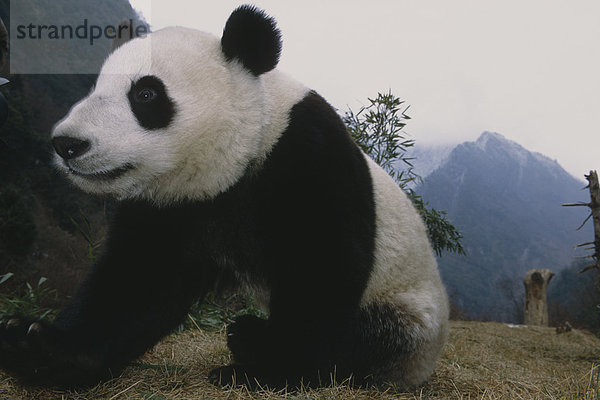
(177, 114)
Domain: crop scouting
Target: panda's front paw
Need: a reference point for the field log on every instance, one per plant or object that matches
(19, 335)
(25, 346)
(246, 338)
(37, 353)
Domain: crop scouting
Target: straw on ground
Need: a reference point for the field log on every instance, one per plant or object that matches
(480, 361)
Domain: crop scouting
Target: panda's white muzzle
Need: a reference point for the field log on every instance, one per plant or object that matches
(70, 149)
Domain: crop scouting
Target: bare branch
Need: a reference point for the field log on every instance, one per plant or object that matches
(586, 220)
(594, 205)
(583, 244)
(577, 205)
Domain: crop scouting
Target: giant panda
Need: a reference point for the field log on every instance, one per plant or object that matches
(229, 174)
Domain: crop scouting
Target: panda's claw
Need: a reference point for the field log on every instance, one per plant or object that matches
(13, 324)
(35, 329)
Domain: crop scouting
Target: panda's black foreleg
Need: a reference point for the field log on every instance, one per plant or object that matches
(138, 291)
(38, 353)
(92, 339)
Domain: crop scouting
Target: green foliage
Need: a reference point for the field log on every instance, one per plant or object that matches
(84, 227)
(213, 313)
(28, 304)
(574, 297)
(377, 129)
(443, 235)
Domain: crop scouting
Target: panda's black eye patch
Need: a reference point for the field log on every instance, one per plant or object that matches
(150, 103)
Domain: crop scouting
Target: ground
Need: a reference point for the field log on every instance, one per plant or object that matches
(480, 361)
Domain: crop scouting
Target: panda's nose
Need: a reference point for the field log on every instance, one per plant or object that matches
(69, 147)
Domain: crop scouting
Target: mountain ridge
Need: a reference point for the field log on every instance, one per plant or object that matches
(506, 201)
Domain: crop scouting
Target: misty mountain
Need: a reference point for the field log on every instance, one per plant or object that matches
(506, 201)
(426, 159)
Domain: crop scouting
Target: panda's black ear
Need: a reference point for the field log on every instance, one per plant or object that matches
(252, 37)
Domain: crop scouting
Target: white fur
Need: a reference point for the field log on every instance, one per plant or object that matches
(405, 276)
(225, 120)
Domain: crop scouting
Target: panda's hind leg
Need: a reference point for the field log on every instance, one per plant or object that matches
(254, 364)
(382, 345)
(268, 355)
(387, 345)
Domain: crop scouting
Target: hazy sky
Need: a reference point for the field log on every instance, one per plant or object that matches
(528, 69)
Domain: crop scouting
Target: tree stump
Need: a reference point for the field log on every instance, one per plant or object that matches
(536, 301)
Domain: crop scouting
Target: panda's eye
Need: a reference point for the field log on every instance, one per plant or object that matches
(150, 103)
(145, 95)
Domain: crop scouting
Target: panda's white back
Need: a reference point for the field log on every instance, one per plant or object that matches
(406, 275)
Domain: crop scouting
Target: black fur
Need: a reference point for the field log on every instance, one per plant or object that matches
(70, 147)
(303, 223)
(150, 103)
(3, 109)
(252, 37)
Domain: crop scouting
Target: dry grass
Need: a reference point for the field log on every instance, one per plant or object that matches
(481, 361)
